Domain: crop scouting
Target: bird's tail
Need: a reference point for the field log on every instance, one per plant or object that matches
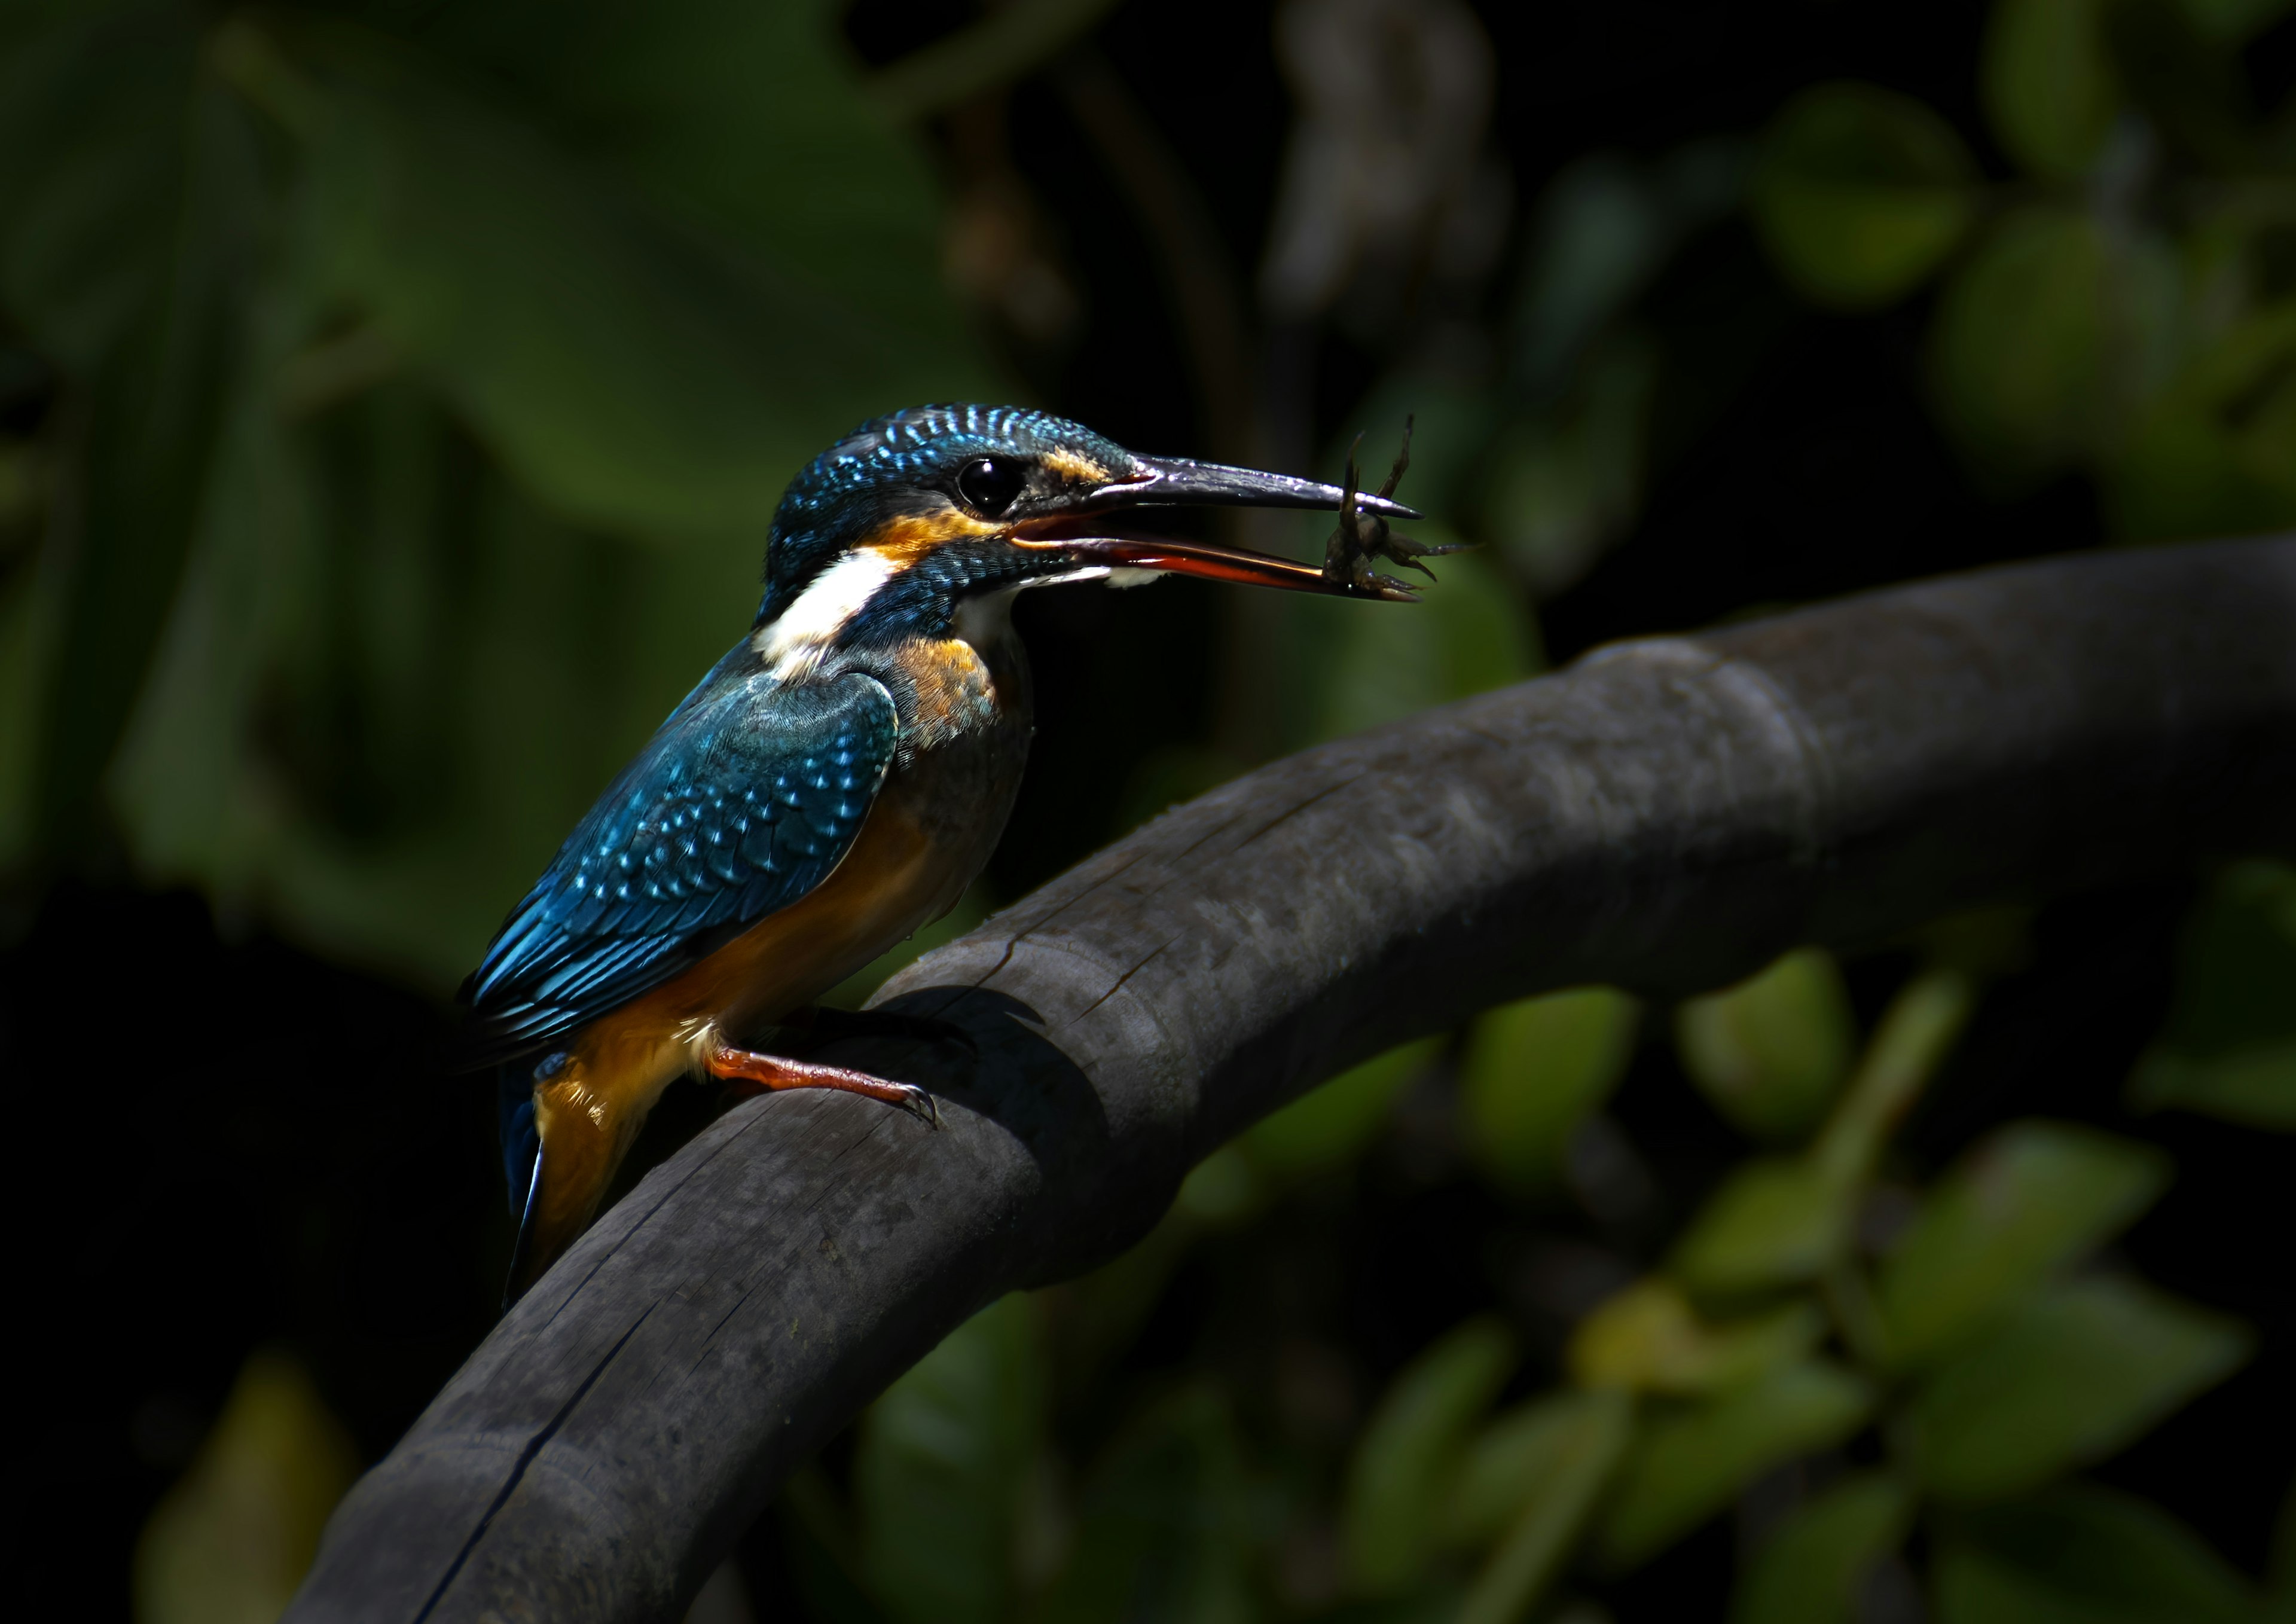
(566, 1126)
(522, 1151)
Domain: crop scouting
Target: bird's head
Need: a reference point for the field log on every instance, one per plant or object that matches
(887, 532)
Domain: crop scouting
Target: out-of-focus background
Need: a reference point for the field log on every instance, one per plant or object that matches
(392, 400)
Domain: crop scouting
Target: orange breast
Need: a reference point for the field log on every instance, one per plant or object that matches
(887, 886)
(933, 825)
(892, 880)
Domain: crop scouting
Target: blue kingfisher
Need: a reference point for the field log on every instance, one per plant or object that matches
(837, 779)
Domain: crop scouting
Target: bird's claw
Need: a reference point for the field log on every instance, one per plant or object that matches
(920, 1103)
(1360, 538)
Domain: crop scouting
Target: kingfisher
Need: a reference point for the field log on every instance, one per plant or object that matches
(836, 781)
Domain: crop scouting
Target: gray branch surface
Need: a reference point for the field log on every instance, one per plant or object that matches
(1666, 815)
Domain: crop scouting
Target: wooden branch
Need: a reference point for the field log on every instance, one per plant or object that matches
(1664, 815)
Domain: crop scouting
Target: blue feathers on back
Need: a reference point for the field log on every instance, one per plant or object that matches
(752, 791)
(742, 803)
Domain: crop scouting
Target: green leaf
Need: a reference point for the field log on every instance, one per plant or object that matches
(639, 364)
(2050, 338)
(2255, 1085)
(1510, 1461)
(943, 1462)
(1410, 1450)
(2229, 1047)
(1564, 482)
(2080, 1554)
(751, 125)
(1601, 231)
(1689, 1462)
(1773, 1223)
(1808, 1570)
(1772, 1051)
(2215, 453)
(1860, 192)
(1333, 1124)
(1910, 1043)
(1540, 1468)
(522, 675)
(1530, 1073)
(2050, 89)
(129, 197)
(2074, 1375)
(233, 1538)
(1223, 1190)
(1776, 1222)
(1648, 1338)
(1162, 1530)
(2034, 1197)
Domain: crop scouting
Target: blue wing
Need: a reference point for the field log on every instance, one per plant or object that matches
(744, 800)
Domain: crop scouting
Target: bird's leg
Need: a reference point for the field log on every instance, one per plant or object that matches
(749, 1072)
(829, 1024)
(1359, 540)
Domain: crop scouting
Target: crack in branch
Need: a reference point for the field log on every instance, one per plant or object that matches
(526, 1458)
(1120, 980)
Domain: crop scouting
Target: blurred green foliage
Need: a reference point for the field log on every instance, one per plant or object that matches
(1976, 1353)
(2229, 1048)
(1861, 192)
(1937, 1363)
(2121, 304)
(433, 393)
(2082, 1552)
(231, 1541)
(1532, 1070)
(1772, 1051)
(944, 1469)
(1807, 1572)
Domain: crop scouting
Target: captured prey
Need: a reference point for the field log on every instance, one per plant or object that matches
(836, 782)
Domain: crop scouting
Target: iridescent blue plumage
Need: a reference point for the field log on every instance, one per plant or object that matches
(742, 803)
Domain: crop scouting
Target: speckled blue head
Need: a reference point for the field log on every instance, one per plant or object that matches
(905, 465)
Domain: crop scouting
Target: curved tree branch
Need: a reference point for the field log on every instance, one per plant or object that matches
(1664, 815)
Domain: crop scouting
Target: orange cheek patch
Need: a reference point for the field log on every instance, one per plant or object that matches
(902, 542)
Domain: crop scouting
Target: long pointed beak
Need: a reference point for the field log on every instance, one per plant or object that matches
(1172, 482)
(1085, 539)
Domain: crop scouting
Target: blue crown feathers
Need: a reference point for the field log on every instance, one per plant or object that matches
(836, 495)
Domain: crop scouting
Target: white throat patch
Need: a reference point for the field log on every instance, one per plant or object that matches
(792, 643)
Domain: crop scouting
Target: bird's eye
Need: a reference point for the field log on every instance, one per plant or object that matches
(989, 485)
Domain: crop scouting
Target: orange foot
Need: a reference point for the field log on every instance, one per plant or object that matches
(752, 1072)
